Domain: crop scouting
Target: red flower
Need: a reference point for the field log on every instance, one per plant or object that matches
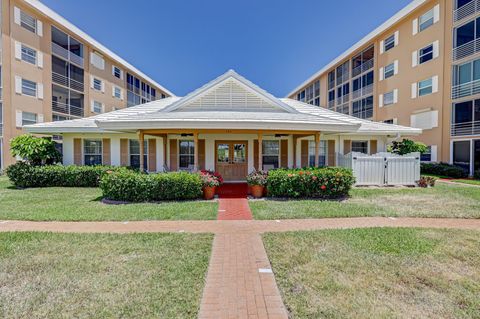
(323, 187)
(314, 178)
(308, 173)
(300, 173)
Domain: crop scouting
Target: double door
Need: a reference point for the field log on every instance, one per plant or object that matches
(231, 159)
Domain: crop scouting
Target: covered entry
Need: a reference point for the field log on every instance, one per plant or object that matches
(231, 159)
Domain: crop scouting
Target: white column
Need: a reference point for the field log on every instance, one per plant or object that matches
(67, 150)
(209, 153)
(115, 151)
(290, 151)
(160, 162)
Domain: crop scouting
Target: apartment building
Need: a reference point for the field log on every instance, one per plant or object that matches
(53, 71)
(421, 68)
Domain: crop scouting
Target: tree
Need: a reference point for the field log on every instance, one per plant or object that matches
(407, 146)
(35, 150)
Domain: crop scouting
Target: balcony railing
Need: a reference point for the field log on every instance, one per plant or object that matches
(466, 10)
(67, 109)
(344, 78)
(344, 99)
(67, 55)
(367, 90)
(466, 89)
(331, 85)
(331, 104)
(68, 82)
(466, 128)
(466, 50)
(1, 129)
(367, 65)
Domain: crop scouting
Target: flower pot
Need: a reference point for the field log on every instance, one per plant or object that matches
(257, 191)
(208, 192)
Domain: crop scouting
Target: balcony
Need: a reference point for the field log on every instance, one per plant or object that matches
(344, 99)
(344, 78)
(67, 55)
(466, 89)
(466, 50)
(67, 82)
(331, 104)
(466, 128)
(466, 10)
(364, 67)
(67, 109)
(367, 90)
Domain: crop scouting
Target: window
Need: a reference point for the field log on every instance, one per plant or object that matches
(389, 43)
(331, 80)
(426, 20)
(389, 98)
(187, 155)
(461, 154)
(271, 153)
(427, 156)
(134, 150)
(425, 87)
(322, 157)
(97, 60)
(360, 147)
(28, 118)
(97, 107)
(29, 88)
(425, 54)
(363, 108)
(92, 152)
(28, 22)
(391, 121)
(29, 55)
(301, 96)
(116, 72)
(97, 84)
(389, 71)
(117, 92)
(467, 72)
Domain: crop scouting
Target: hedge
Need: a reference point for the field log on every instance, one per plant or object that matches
(328, 182)
(135, 187)
(476, 175)
(443, 169)
(25, 175)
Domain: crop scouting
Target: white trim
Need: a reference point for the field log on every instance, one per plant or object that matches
(39, 28)
(380, 100)
(40, 59)
(414, 59)
(414, 26)
(382, 46)
(41, 118)
(414, 90)
(40, 91)
(18, 118)
(18, 84)
(436, 49)
(18, 50)
(395, 96)
(16, 15)
(436, 13)
(397, 37)
(435, 84)
(381, 73)
(395, 67)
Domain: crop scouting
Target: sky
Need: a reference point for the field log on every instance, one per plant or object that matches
(183, 44)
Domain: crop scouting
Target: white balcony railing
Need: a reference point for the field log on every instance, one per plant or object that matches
(466, 11)
(367, 90)
(67, 109)
(466, 50)
(466, 89)
(367, 65)
(65, 81)
(344, 78)
(67, 55)
(343, 99)
(466, 128)
(331, 104)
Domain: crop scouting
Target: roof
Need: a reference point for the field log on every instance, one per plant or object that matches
(172, 113)
(100, 47)
(415, 4)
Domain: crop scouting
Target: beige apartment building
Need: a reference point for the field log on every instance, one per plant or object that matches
(421, 68)
(53, 71)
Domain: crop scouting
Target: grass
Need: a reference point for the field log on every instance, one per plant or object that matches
(378, 273)
(47, 275)
(444, 200)
(467, 181)
(83, 204)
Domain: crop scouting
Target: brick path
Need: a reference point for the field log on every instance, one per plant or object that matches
(233, 203)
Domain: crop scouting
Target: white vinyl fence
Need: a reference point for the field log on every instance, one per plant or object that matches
(382, 169)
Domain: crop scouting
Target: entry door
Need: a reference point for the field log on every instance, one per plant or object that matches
(232, 159)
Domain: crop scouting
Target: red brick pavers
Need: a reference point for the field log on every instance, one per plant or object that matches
(239, 281)
(233, 203)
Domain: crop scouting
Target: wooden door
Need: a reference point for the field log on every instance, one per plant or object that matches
(231, 159)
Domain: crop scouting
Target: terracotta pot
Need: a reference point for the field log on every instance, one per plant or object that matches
(257, 191)
(208, 192)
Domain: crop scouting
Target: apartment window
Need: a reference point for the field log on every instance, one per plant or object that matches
(331, 96)
(271, 153)
(301, 96)
(117, 72)
(322, 155)
(97, 84)
(461, 154)
(363, 62)
(331, 80)
(360, 147)
(134, 150)
(465, 116)
(389, 43)
(461, 3)
(389, 98)
(92, 152)
(66, 46)
(425, 54)
(425, 20)
(317, 101)
(467, 72)
(28, 22)
(363, 108)
(29, 55)
(427, 156)
(29, 88)
(425, 87)
(389, 71)
(343, 72)
(117, 92)
(344, 109)
(186, 155)
(29, 118)
(97, 107)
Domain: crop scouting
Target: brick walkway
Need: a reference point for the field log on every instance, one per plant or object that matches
(233, 203)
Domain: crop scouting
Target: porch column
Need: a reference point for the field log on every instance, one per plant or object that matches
(195, 150)
(294, 151)
(260, 152)
(142, 149)
(317, 148)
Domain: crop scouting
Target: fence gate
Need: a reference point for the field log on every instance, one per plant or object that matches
(369, 170)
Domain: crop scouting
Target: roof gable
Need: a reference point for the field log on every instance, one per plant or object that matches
(230, 92)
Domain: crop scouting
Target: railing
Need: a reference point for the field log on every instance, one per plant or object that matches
(467, 10)
(365, 66)
(344, 99)
(1, 129)
(367, 90)
(466, 89)
(67, 109)
(66, 81)
(466, 128)
(331, 84)
(466, 50)
(66, 54)
(344, 78)
(331, 104)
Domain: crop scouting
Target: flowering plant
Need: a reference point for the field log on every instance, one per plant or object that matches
(209, 180)
(216, 175)
(257, 178)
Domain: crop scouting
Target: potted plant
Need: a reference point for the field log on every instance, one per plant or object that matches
(257, 181)
(209, 182)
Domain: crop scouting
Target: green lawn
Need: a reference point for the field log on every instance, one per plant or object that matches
(378, 273)
(47, 275)
(444, 200)
(83, 204)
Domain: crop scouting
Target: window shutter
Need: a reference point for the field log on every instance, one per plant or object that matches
(380, 100)
(103, 86)
(39, 28)
(436, 13)
(433, 152)
(121, 74)
(113, 91)
(113, 70)
(18, 50)
(395, 67)
(103, 107)
(41, 118)
(414, 59)
(40, 59)
(382, 47)
(16, 14)
(414, 90)
(40, 91)
(435, 84)
(397, 36)
(18, 119)
(414, 26)
(121, 94)
(92, 106)
(18, 85)
(381, 73)
(395, 96)
(436, 49)
(91, 81)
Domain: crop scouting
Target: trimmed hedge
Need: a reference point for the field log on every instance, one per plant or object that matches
(328, 182)
(443, 169)
(136, 187)
(25, 175)
(476, 174)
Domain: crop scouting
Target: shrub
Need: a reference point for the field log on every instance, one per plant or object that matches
(328, 182)
(476, 175)
(407, 146)
(426, 181)
(135, 187)
(25, 175)
(443, 169)
(257, 178)
(35, 150)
